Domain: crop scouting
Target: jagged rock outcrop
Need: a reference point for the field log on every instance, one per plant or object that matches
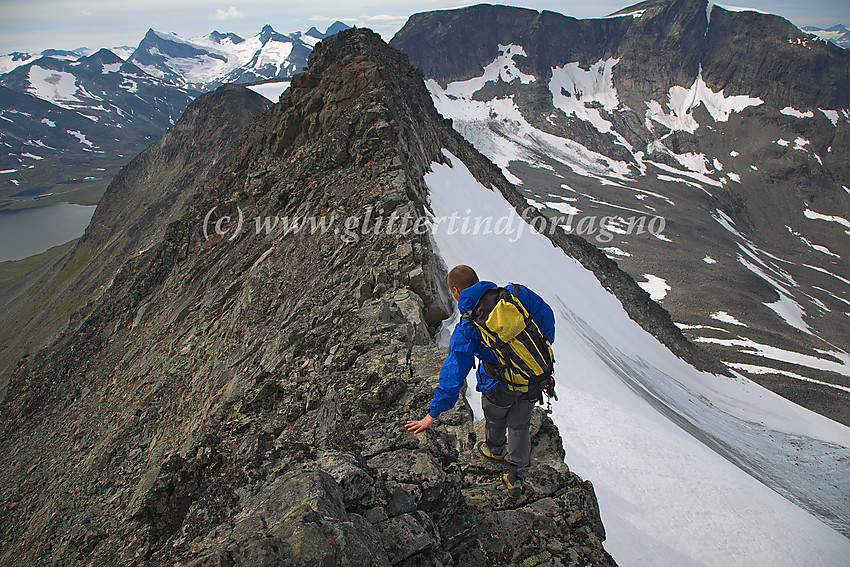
(238, 398)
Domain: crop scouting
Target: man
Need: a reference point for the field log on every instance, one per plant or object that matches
(505, 410)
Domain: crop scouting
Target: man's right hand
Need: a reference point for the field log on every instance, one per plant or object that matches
(421, 425)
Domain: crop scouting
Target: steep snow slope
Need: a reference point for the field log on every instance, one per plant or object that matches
(271, 91)
(661, 440)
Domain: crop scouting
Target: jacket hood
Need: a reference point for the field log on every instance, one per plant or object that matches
(470, 296)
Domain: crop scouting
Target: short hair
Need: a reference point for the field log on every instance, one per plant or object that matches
(462, 277)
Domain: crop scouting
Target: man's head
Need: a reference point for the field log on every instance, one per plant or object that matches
(460, 278)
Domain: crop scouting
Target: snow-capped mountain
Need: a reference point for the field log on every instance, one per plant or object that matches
(18, 58)
(69, 123)
(726, 128)
(102, 87)
(839, 34)
(313, 36)
(70, 119)
(205, 62)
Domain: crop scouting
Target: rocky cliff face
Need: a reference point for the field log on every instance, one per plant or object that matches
(731, 125)
(659, 44)
(240, 398)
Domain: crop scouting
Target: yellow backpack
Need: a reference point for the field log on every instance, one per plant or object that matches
(508, 331)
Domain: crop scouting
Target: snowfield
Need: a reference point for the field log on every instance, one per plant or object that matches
(498, 129)
(689, 468)
(573, 88)
(681, 102)
(271, 91)
(791, 111)
(502, 68)
(57, 87)
(656, 287)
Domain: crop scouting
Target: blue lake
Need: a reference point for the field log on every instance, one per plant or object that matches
(32, 231)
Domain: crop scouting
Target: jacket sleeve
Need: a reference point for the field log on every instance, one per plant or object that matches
(538, 309)
(453, 372)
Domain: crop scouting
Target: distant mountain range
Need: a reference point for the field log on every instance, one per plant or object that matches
(839, 35)
(70, 119)
(205, 62)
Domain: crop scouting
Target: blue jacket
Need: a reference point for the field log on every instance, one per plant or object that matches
(465, 344)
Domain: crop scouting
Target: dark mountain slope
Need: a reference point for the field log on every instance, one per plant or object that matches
(147, 194)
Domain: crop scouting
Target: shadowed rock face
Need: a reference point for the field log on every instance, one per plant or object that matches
(241, 401)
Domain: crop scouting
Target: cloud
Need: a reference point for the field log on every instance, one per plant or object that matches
(230, 14)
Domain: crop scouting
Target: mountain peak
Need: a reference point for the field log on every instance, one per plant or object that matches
(218, 37)
(628, 10)
(65, 54)
(336, 27)
(361, 42)
(268, 33)
(105, 56)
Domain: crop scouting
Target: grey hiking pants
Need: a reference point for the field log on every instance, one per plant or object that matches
(508, 421)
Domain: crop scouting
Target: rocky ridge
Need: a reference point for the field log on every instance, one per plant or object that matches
(241, 400)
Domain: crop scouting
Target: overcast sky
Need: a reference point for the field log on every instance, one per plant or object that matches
(35, 25)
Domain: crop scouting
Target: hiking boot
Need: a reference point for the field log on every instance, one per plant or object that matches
(487, 454)
(515, 485)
